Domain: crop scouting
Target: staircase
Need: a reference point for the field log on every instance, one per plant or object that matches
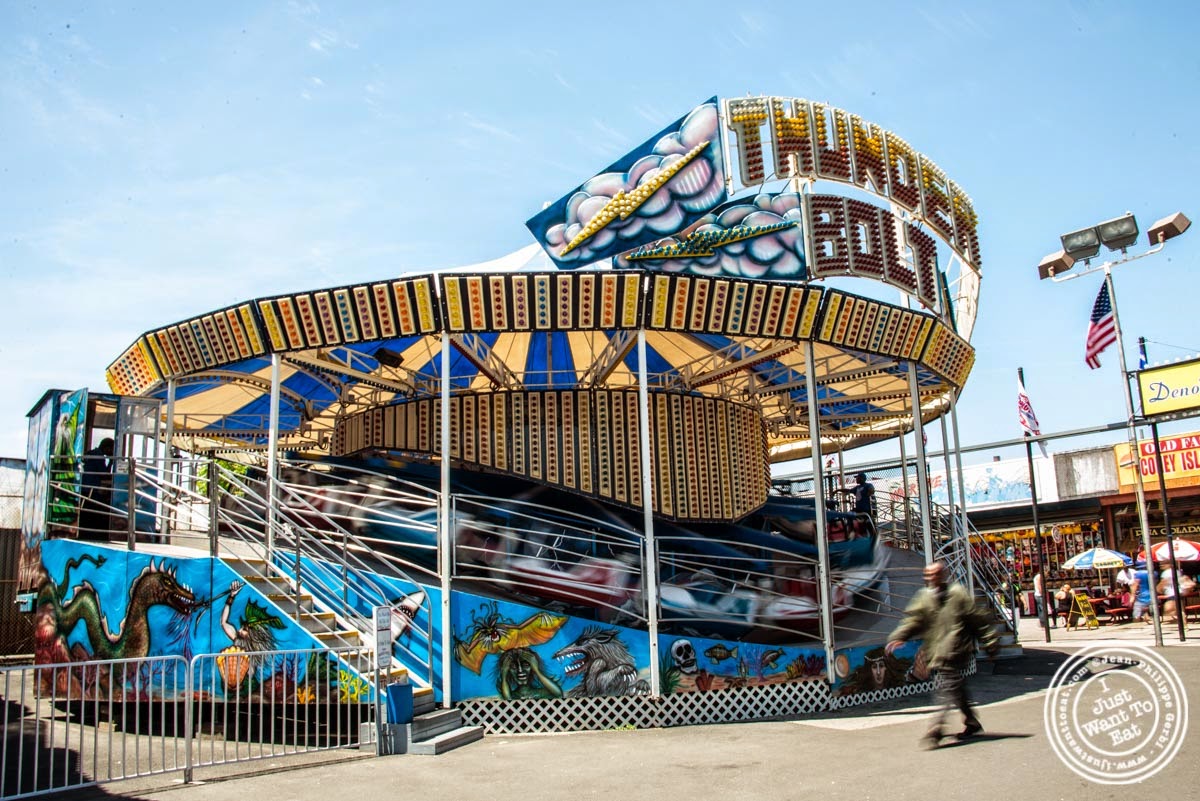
(431, 731)
(986, 575)
(322, 575)
(434, 731)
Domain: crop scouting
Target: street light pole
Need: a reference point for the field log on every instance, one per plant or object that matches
(1118, 234)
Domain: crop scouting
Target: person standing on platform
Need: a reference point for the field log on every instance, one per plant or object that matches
(96, 489)
(864, 495)
(949, 622)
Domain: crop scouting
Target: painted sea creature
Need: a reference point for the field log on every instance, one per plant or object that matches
(492, 634)
(769, 658)
(719, 653)
(404, 611)
(61, 607)
(603, 662)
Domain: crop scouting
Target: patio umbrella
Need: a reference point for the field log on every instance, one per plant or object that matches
(1097, 559)
(1185, 551)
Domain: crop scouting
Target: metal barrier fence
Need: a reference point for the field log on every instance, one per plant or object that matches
(78, 724)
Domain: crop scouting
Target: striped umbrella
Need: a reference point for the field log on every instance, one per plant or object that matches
(1185, 551)
(1097, 559)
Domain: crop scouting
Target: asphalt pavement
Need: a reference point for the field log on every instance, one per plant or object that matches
(867, 752)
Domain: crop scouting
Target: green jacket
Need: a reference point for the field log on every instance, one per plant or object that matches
(949, 629)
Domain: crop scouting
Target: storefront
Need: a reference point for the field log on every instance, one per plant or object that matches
(1020, 550)
(1181, 476)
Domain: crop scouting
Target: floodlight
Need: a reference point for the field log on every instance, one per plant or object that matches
(1054, 264)
(388, 357)
(1120, 233)
(1168, 227)
(1082, 244)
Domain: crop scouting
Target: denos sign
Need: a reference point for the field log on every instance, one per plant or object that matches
(1173, 388)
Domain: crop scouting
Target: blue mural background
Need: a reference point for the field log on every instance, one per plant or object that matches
(103, 582)
(699, 664)
(867, 668)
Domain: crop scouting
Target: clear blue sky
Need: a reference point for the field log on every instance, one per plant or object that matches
(161, 160)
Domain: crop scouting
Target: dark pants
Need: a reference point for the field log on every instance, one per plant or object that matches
(950, 693)
(93, 514)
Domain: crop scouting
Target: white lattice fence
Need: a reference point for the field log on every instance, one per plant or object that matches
(644, 712)
(746, 703)
(793, 699)
(562, 714)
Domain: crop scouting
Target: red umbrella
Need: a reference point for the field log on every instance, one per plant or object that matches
(1185, 551)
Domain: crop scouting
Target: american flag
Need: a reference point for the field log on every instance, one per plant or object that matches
(1102, 330)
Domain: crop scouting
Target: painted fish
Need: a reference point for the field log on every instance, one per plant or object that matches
(769, 658)
(719, 653)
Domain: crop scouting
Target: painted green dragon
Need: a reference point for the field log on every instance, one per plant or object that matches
(58, 615)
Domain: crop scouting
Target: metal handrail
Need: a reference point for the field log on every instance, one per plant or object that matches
(315, 551)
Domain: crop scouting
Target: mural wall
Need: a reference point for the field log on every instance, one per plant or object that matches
(870, 669)
(96, 602)
(510, 652)
(36, 491)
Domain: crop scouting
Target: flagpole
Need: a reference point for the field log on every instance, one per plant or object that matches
(1037, 529)
(1139, 488)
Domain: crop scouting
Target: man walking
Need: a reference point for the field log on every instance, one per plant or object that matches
(946, 618)
(1143, 590)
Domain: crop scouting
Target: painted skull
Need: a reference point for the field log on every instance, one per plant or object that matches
(683, 653)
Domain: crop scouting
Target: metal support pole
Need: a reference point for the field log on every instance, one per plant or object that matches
(824, 589)
(214, 506)
(444, 530)
(169, 480)
(1139, 489)
(922, 468)
(904, 498)
(131, 504)
(650, 557)
(962, 493)
(273, 462)
(1162, 489)
(949, 472)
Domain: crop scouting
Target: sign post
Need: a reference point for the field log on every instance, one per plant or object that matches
(383, 660)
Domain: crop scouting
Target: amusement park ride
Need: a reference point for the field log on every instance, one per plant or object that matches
(590, 442)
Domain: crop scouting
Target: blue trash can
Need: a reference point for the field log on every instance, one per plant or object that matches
(399, 703)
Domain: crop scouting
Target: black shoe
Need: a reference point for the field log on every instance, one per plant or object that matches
(970, 730)
(931, 741)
